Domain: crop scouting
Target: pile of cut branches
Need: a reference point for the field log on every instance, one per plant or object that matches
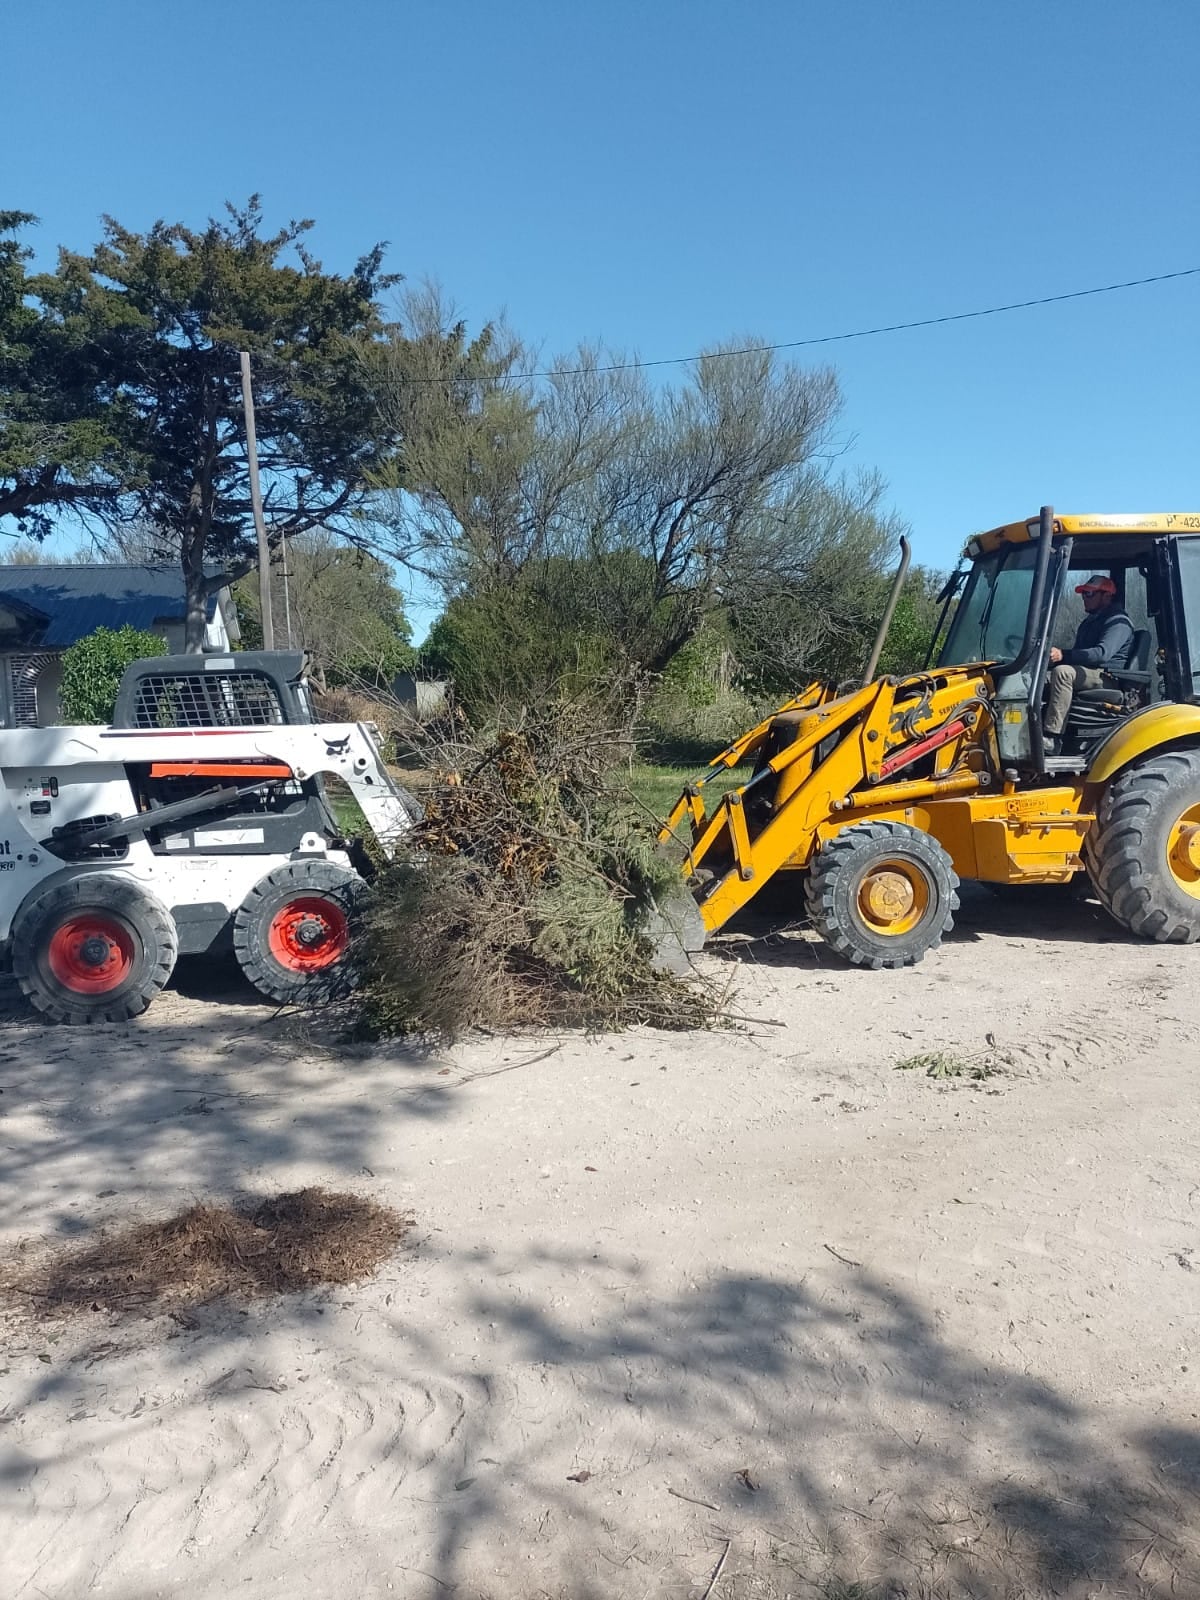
(532, 893)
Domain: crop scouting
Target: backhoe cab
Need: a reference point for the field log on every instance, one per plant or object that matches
(881, 798)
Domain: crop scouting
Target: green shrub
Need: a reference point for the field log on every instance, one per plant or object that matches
(92, 669)
(510, 647)
(698, 705)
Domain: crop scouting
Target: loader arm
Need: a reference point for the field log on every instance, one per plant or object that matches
(383, 808)
(822, 762)
(347, 751)
(690, 807)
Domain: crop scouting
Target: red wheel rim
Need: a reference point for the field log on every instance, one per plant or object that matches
(308, 934)
(91, 953)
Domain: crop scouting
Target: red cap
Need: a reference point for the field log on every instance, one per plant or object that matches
(1097, 584)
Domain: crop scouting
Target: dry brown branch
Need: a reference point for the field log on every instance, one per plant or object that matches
(522, 896)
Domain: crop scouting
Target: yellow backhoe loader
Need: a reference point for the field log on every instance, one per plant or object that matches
(880, 799)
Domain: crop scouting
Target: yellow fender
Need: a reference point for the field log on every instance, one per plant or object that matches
(1148, 730)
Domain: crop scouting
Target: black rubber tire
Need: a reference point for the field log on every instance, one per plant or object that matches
(411, 804)
(832, 884)
(319, 880)
(152, 937)
(1126, 850)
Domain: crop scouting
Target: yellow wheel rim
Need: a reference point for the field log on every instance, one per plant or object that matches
(1183, 852)
(894, 896)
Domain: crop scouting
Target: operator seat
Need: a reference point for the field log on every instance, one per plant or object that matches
(1125, 689)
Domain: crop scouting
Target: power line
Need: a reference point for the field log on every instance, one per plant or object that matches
(837, 338)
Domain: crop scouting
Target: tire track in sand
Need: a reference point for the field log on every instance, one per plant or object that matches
(270, 1463)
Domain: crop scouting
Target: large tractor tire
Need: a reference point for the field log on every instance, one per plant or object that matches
(1143, 855)
(94, 949)
(291, 934)
(881, 894)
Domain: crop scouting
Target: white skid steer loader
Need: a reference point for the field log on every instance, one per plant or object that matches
(197, 823)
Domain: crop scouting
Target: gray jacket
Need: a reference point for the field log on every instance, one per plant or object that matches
(1103, 640)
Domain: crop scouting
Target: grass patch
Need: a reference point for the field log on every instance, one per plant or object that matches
(279, 1246)
(347, 812)
(975, 1066)
(658, 786)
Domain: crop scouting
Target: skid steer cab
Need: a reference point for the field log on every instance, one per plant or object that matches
(198, 823)
(877, 800)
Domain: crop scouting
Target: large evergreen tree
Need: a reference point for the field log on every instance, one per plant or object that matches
(60, 439)
(161, 317)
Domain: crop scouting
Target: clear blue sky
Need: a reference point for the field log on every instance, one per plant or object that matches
(661, 175)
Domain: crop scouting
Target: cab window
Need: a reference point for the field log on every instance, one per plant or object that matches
(1132, 597)
(989, 624)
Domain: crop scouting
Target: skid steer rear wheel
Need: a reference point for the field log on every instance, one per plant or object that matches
(881, 894)
(95, 949)
(1143, 855)
(291, 934)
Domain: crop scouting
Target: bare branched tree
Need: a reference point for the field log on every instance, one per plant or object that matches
(453, 496)
(340, 605)
(628, 509)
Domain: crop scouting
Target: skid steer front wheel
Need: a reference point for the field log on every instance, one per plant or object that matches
(96, 949)
(1143, 854)
(881, 894)
(291, 934)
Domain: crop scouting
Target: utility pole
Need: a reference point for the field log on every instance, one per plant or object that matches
(260, 526)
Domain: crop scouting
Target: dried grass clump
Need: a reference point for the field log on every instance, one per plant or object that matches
(353, 705)
(294, 1241)
(522, 897)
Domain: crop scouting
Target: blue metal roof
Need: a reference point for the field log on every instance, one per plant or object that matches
(75, 600)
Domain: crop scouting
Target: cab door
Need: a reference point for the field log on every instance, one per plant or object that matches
(1180, 637)
(1018, 695)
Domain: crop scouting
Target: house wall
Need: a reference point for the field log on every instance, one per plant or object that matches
(49, 693)
(20, 691)
(29, 688)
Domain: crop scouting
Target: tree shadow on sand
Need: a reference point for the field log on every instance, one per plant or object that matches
(606, 1437)
(832, 1437)
(190, 1101)
(527, 1420)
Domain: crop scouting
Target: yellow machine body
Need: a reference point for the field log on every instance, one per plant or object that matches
(991, 830)
(920, 751)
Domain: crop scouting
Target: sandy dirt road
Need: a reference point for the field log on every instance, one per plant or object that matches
(758, 1306)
